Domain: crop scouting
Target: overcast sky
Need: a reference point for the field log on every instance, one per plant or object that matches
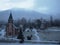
(42, 6)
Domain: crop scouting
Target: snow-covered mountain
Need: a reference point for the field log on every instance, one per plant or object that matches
(19, 13)
(28, 14)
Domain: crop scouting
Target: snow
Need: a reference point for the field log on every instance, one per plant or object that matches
(27, 32)
(2, 33)
(51, 34)
(53, 29)
(27, 29)
(36, 34)
(33, 32)
(24, 44)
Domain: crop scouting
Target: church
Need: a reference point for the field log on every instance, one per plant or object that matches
(11, 29)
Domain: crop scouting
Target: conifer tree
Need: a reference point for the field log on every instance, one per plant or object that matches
(20, 36)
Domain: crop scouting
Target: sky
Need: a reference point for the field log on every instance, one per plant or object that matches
(42, 6)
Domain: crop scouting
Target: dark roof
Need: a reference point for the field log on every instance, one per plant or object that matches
(10, 17)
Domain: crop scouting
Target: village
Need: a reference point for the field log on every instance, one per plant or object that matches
(29, 33)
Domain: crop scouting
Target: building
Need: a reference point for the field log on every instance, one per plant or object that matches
(11, 29)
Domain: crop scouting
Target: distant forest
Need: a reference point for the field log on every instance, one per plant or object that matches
(36, 23)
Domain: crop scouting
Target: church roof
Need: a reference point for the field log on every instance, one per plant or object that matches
(10, 17)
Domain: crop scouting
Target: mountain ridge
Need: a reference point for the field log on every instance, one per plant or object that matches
(20, 13)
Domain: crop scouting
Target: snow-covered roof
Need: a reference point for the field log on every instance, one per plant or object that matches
(27, 29)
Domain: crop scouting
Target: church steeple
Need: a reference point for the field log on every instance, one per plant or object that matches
(10, 20)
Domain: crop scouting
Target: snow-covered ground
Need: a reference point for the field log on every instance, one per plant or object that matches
(52, 34)
(2, 33)
(41, 36)
(25, 44)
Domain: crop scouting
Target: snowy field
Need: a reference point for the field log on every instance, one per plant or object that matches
(25, 44)
(52, 34)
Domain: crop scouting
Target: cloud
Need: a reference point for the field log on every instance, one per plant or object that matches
(48, 6)
(25, 4)
(4, 1)
(4, 4)
(42, 10)
(44, 6)
(17, 1)
(8, 4)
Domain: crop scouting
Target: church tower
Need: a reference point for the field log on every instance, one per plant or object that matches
(10, 30)
(10, 20)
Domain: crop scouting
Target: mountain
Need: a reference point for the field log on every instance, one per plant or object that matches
(20, 13)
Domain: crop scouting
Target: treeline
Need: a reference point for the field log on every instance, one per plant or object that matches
(36, 23)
